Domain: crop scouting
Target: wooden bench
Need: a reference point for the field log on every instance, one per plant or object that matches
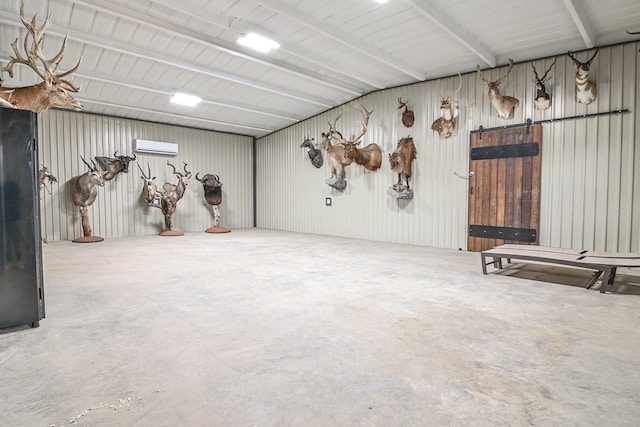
(605, 264)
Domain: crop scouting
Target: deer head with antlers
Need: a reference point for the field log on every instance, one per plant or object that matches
(504, 105)
(54, 89)
(370, 156)
(586, 90)
(173, 193)
(446, 123)
(543, 99)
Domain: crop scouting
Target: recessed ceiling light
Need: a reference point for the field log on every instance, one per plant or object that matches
(258, 42)
(382, 1)
(184, 99)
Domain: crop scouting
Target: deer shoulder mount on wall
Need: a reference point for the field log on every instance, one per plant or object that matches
(446, 123)
(408, 118)
(314, 154)
(586, 90)
(370, 156)
(504, 105)
(401, 161)
(84, 190)
(150, 192)
(54, 89)
(114, 165)
(543, 99)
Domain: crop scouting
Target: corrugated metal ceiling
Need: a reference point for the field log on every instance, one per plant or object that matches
(136, 53)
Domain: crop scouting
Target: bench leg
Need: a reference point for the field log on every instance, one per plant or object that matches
(594, 279)
(497, 263)
(613, 275)
(605, 280)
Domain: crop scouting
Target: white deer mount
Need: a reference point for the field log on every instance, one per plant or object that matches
(586, 90)
(446, 123)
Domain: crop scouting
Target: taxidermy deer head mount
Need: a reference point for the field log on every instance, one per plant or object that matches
(543, 99)
(370, 156)
(586, 90)
(446, 123)
(408, 118)
(504, 105)
(54, 89)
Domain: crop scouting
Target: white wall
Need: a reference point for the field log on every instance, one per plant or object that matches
(64, 136)
(590, 168)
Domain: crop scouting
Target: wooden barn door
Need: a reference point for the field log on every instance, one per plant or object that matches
(504, 191)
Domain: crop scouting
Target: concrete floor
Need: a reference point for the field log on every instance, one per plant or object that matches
(267, 328)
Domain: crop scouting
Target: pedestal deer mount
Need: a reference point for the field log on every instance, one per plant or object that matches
(54, 89)
(543, 99)
(586, 90)
(446, 123)
(370, 156)
(504, 105)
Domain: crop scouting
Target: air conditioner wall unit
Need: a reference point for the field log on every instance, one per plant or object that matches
(155, 147)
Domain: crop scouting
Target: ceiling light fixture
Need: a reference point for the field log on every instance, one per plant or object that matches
(258, 42)
(382, 1)
(184, 99)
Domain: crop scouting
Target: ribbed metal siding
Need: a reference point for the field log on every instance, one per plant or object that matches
(590, 169)
(64, 136)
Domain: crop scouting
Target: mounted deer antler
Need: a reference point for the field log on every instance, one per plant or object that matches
(370, 156)
(356, 139)
(504, 105)
(53, 91)
(446, 123)
(543, 99)
(586, 90)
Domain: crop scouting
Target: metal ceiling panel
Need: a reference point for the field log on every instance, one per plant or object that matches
(136, 53)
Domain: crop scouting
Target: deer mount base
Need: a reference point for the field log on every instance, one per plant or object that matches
(88, 239)
(172, 233)
(218, 229)
(337, 183)
(400, 191)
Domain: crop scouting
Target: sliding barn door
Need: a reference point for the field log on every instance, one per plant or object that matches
(504, 190)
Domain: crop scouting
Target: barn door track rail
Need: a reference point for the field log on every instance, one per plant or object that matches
(529, 122)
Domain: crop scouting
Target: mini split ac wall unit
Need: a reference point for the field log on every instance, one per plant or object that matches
(155, 147)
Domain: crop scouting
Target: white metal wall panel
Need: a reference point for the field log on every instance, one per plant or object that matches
(118, 210)
(590, 168)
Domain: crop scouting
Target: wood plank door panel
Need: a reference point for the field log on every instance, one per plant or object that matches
(504, 191)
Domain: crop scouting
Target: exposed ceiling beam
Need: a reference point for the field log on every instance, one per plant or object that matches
(239, 26)
(429, 11)
(342, 37)
(179, 116)
(581, 23)
(164, 90)
(129, 49)
(139, 17)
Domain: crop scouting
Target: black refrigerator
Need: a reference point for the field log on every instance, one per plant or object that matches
(21, 280)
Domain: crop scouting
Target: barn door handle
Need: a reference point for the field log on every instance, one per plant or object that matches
(469, 175)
